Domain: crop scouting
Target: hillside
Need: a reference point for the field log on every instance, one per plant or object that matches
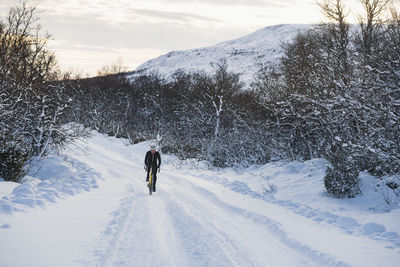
(243, 55)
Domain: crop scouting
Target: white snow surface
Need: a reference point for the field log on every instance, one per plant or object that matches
(244, 55)
(92, 208)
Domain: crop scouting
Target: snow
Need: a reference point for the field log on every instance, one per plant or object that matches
(6, 188)
(244, 55)
(54, 178)
(91, 207)
(372, 228)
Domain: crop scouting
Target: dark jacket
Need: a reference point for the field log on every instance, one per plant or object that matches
(151, 160)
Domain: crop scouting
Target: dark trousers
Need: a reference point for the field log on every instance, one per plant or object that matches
(154, 175)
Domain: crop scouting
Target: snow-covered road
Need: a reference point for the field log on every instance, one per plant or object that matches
(196, 218)
(180, 226)
(184, 224)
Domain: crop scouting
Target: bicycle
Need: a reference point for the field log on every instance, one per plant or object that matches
(150, 184)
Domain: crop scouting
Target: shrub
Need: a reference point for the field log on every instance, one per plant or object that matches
(12, 161)
(341, 181)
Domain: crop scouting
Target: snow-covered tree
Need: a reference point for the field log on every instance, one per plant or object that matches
(31, 95)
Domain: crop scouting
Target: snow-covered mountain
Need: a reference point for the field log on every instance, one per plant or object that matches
(244, 55)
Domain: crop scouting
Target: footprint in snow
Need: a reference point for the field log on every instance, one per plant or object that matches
(5, 226)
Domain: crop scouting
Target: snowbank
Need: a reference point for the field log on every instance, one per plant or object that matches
(299, 187)
(6, 187)
(54, 178)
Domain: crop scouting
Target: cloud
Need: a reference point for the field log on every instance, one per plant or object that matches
(92, 33)
(89, 58)
(120, 12)
(166, 36)
(270, 3)
(177, 16)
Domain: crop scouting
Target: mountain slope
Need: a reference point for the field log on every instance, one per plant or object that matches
(243, 55)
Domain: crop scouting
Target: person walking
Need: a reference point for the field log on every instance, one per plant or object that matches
(152, 162)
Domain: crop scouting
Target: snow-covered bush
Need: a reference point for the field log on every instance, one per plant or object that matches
(390, 188)
(12, 161)
(342, 179)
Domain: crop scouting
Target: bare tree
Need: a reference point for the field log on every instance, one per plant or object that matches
(31, 96)
(338, 35)
(371, 25)
(215, 93)
(25, 57)
(113, 68)
(334, 10)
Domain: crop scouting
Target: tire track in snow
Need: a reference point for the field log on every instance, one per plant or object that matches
(280, 237)
(343, 223)
(203, 243)
(112, 233)
(149, 238)
(139, 233)
(194, 231)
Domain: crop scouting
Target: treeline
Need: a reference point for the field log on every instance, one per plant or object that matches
(204, 116)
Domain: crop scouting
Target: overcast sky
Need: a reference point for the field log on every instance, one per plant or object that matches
(90, 33)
